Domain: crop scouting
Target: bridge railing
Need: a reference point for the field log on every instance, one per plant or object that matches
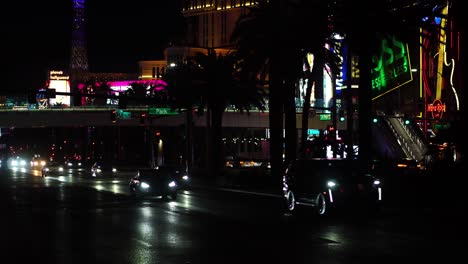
(20, 103)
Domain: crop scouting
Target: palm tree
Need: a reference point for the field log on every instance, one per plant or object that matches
(210, 82)
(223, 85)
(183, 89)
(102, 91)
(293, 26)
(158, 93)
(137, 93)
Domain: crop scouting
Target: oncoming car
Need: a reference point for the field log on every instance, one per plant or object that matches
(158, 182)
(328, 185)
(179, 173)
(37, 163)
(16, 162)
(52, 168)
(103, 169)
(74, 165)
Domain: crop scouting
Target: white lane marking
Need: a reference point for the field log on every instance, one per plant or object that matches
(139, 241)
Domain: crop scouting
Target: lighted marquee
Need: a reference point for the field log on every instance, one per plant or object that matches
(59, 81)
(392, 67)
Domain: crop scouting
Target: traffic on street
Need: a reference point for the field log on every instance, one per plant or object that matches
(78, 217)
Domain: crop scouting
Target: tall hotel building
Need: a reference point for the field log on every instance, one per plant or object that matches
(210, 24)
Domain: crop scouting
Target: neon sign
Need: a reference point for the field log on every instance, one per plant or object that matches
(58, 75)
(392, 67)
(437, 109)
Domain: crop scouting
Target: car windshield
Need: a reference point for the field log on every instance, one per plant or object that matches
(327, 168)
(166, 170)
(159, 173)
(102, 165)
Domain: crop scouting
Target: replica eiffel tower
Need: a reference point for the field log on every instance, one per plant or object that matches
(79, 55)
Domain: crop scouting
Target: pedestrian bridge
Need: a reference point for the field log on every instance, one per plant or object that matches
(101, 116)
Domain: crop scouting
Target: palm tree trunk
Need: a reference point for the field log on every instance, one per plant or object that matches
(334, 112)
(349, 139)
(189, 140)
(275, 95)
(365, 101)
(290, 122)
(217, 142)
(276, 120)
(305, 114)
(208, 144)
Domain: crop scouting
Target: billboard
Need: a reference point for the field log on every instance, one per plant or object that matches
(59, 81)
(392, 67)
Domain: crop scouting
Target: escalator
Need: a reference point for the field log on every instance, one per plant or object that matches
(396, 140)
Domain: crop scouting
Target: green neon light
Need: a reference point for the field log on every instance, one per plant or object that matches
(392, 67)
(162, 111)
(324, 117)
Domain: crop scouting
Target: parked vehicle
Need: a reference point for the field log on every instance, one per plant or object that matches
(160, 181)
(328, 185)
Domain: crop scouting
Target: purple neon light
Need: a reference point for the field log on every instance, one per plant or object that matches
(157, 84)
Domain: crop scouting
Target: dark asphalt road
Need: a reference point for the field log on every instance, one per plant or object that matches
(79, 220)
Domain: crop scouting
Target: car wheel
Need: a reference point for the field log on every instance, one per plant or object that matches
(290, 200)
(174, 196)
(321, 204)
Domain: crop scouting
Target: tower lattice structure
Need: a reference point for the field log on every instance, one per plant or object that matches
(78, 54)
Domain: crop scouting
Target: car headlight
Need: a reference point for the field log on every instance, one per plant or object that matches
(46, 169)
(60, 168)
(172, 184)
(377, 182)
(114, 170)
(331, 184)
(70, 164)
(185, 177)
(43, 163)
(144, 185)
(23, 163)
(98, 170)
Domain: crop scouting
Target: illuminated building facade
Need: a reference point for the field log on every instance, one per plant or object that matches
(151, 70)
(211, 22)
(440, 85)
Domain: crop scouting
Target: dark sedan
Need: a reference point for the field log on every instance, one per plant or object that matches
(328, 185)
(160, 181)
(179, 173)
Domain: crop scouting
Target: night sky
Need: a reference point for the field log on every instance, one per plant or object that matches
(36, 36)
